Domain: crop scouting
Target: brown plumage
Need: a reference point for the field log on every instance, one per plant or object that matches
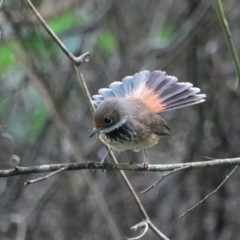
(133, 125)
(127, 112)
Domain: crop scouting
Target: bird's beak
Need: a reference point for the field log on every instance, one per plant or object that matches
(94, 131)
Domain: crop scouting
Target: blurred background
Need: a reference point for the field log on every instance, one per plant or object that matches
(183, 38)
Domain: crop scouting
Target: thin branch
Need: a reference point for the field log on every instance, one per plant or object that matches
(83, 84)
(136, 227)
(76, 60)
(137, 200)
(210, 194)
(119, 167)
(228, 35)
(156, 230)
(46, 177)
(164, 176)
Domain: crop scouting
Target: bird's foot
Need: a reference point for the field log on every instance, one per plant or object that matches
(145, 162)
(145, 165)
(104, 161)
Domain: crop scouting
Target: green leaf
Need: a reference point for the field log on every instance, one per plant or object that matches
(107, 42)
(165, 34)
(6, 58)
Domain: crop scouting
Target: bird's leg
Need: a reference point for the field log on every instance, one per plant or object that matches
(105, 157)
(145, 163)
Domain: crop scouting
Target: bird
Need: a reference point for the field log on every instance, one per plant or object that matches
(127, 113)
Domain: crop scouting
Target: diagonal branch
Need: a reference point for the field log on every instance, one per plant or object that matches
(228, 35)
(211, 193)
(46, 177)
(164, 176)
(77, 60)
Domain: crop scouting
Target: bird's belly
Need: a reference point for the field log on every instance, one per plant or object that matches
(135, 143)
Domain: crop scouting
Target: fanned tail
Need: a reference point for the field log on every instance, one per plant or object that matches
(157, 90)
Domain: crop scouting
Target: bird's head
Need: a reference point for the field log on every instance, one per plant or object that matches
(108, 116)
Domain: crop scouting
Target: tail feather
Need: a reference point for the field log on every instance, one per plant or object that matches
(98, 97)
(127, 84)
(140, 78)
(156, 78)
(117, 89)
(175, 90)
(157, 90)
(166, 84)
(187, 93)
(138, 83)
(186, 102)
(106, 93)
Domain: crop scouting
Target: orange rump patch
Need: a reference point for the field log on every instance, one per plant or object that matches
(148, 97)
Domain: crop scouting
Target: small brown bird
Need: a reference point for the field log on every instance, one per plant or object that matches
(127, 112)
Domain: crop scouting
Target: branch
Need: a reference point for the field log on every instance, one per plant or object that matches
(211, 193)
(164, 176)
(229, 39)
(76, 60)
(136, 227)
(46, 177)
(119, 166)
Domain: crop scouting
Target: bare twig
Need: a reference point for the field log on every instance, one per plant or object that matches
(119, 167)
(46, 177)
(229, 39)
(138, 202)
(210, 194)
(85, 88)
(136, 227)
(164, 176)
(76, 60)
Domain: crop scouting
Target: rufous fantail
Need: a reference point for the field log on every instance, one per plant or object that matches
(127, 114)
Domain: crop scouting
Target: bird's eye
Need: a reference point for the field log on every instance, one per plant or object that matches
(107, 121)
